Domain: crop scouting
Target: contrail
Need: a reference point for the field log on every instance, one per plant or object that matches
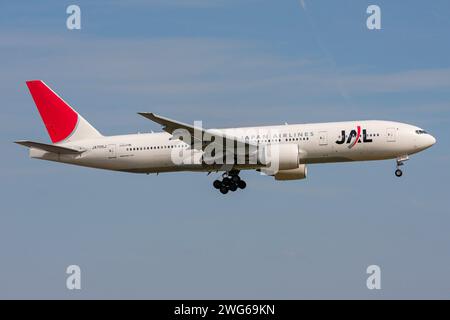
(303, 4)
(322, 46)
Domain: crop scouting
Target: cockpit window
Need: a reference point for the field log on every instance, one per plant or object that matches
(421, 132)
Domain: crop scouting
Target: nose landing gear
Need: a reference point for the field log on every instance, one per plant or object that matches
(230, 182)
(400, 162)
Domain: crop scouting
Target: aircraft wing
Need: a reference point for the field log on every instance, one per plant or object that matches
(48, 147)
(170, 126)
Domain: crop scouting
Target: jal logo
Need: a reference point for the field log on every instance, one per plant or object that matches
(354, 137)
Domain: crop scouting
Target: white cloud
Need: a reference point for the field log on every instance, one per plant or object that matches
(180, 66)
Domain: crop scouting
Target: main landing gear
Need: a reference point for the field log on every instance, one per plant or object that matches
(400, 162)
(230, 182)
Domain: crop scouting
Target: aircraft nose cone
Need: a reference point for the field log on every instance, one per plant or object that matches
(432, 140)
(424, 141)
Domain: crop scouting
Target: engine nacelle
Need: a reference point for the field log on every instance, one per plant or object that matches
(281, 157)
(293, 174)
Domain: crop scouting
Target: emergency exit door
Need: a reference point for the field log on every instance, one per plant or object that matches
(323, 138)
(391, 135)
(111, 151)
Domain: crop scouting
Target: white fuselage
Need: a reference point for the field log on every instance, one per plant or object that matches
(317, 143)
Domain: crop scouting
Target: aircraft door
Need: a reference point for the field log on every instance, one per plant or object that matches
(111, 152)
(391, 135)
(323, 138)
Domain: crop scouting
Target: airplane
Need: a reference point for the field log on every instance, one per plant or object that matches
(291, 147)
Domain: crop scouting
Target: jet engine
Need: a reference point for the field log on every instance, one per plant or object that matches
(292, 174)
(280, 157)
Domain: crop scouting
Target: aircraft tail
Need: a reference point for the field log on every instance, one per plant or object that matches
(63, 123)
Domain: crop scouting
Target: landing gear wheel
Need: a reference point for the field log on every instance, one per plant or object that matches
(230, 182)
(242, 184)
(223, 190)
(236, 179)
(217, 184)
(226, 181)
(400, 162)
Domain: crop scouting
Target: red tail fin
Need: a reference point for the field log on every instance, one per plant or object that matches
(59, 118)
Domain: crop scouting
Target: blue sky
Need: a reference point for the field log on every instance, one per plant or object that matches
(228, 63)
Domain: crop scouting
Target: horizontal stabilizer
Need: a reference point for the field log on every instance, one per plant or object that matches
(48, 147)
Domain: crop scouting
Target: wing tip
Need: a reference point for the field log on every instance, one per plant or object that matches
(21, 142)
(147, 114)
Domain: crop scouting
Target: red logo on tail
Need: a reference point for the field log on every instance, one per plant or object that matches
(59, 118)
